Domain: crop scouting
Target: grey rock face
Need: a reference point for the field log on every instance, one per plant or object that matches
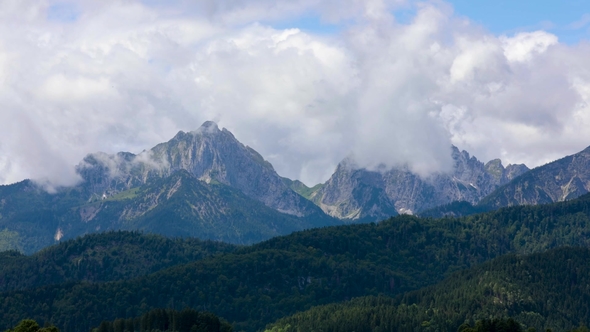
(209, 154)
(354, 194)
(558, 181)
(514, 171)
(399, 190)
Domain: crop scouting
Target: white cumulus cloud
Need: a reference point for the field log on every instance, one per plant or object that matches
(85, 76)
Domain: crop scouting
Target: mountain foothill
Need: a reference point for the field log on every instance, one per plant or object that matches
(200, 233)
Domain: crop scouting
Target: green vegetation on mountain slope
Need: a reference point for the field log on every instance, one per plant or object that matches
(187, 320)
(259, 284)
(29, 325)
(300, 188)
(544, 290)
(219, 212)
(101, 257)
(177, 205)
(29, 215)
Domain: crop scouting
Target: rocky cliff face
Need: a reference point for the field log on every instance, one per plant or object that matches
(354, 194)
(558, 181)
(210, 154)
(360, 194)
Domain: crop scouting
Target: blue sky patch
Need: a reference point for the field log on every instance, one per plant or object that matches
(309, 23)
(63, 12)
(568, 19)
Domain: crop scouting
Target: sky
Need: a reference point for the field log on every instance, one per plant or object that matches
(567, 19)
(306, 83)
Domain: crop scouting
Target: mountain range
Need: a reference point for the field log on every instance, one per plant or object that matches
(353, 193)
(207, 184)
(203, 184)
(558, 181)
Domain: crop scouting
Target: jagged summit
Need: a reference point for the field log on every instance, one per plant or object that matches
(352, 193)
(209, 154)
(208, 127)
(560, 180)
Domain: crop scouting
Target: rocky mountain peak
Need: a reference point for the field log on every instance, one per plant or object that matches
(515, 170)
(495, 168)
(459, 154)
(209, 154)
(561, 180)
(351, 192)
(209, 126)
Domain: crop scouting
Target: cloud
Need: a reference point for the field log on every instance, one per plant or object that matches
(523, 46)
(581, 23)
(86, 76)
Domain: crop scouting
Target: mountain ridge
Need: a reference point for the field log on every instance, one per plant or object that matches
(398, 190)
(208, 153)
(202, 183)
(177, 205)
(560, 180)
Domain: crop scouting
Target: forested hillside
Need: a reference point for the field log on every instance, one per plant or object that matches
(545, 290)
(258, 284)
(101, 257)
(187, 320)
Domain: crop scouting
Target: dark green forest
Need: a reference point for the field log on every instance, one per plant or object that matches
(549, 290)
(101, 257)
(256, 285)
(187, 320)
(30, 325)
